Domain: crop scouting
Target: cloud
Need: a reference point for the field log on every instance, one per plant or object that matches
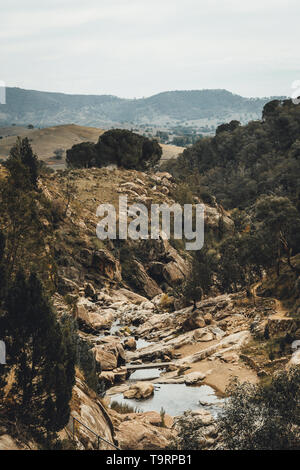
(131, 47)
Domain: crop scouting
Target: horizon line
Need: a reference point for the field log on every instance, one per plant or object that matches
(146, 97)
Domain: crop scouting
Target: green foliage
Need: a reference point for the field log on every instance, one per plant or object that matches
(26, 218)
(82, 155)
(123, 408)
(242, 162)
(263, 417)
(118, 146)
(41, 353)
(200, 279)
(87, 363)
(23, 162)
(190, 435)
(278, 225)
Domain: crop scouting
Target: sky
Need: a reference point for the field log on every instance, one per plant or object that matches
(136, 48)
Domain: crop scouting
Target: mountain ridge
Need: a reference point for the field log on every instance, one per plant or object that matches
(42, 108)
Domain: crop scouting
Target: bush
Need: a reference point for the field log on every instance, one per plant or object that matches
(264, 416)
(118, 146)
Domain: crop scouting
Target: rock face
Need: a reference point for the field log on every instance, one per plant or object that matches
(194, 320)
(110, 353)
(92, 317)
(86, 407)
(106, 264)
(144, 283)
(136, 433)
(140, 390)
(8, 443)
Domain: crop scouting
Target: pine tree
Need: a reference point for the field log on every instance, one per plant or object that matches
(43, 357)
(22, 153)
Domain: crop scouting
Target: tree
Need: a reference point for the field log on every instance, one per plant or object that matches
(200, 278)
(263, 417)
(118, 147)
(22, 153)
(41, 353)
(127, 149)
(82, 155)
(278, 224)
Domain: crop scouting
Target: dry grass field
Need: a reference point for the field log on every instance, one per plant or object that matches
(45, 141)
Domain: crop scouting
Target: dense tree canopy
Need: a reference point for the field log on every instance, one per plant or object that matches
(242, 162)
(118, 146)
(263, 417)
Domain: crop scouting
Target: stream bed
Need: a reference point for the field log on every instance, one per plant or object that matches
(175, 399)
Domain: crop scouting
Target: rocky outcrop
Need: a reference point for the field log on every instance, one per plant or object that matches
(92, 317)
(87, 408)
(139, 390)
(109, 353)
(142, 282)
(143, 431)
(130, 343)
(8, 443)
(229, 343)
(194, 378)
(105, 263)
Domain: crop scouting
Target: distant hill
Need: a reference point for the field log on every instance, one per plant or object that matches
(197, 107)
(45, 141)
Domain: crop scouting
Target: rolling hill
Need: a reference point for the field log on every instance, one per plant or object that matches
(196, 107)
(45, 141)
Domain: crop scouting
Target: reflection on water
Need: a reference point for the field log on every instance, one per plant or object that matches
(176, 398)
(145, 374)
(116, 326)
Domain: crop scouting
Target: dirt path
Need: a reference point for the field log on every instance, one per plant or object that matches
(281, 311)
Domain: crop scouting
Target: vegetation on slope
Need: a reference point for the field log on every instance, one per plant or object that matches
(116, 147)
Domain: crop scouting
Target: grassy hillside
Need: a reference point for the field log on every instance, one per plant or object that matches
(45, 141)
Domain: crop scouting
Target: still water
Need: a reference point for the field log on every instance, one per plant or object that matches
(176, 398)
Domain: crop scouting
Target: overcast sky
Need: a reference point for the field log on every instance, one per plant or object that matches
(134, 48)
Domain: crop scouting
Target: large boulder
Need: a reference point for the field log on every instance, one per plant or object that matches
(194, 320)
(137, 434)
(110, 353)
(130, 343)
(295, 359)
(140, 391)
(155, 418)
(194, 378)
(173, 274)
(88, 409)
(91, 317)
